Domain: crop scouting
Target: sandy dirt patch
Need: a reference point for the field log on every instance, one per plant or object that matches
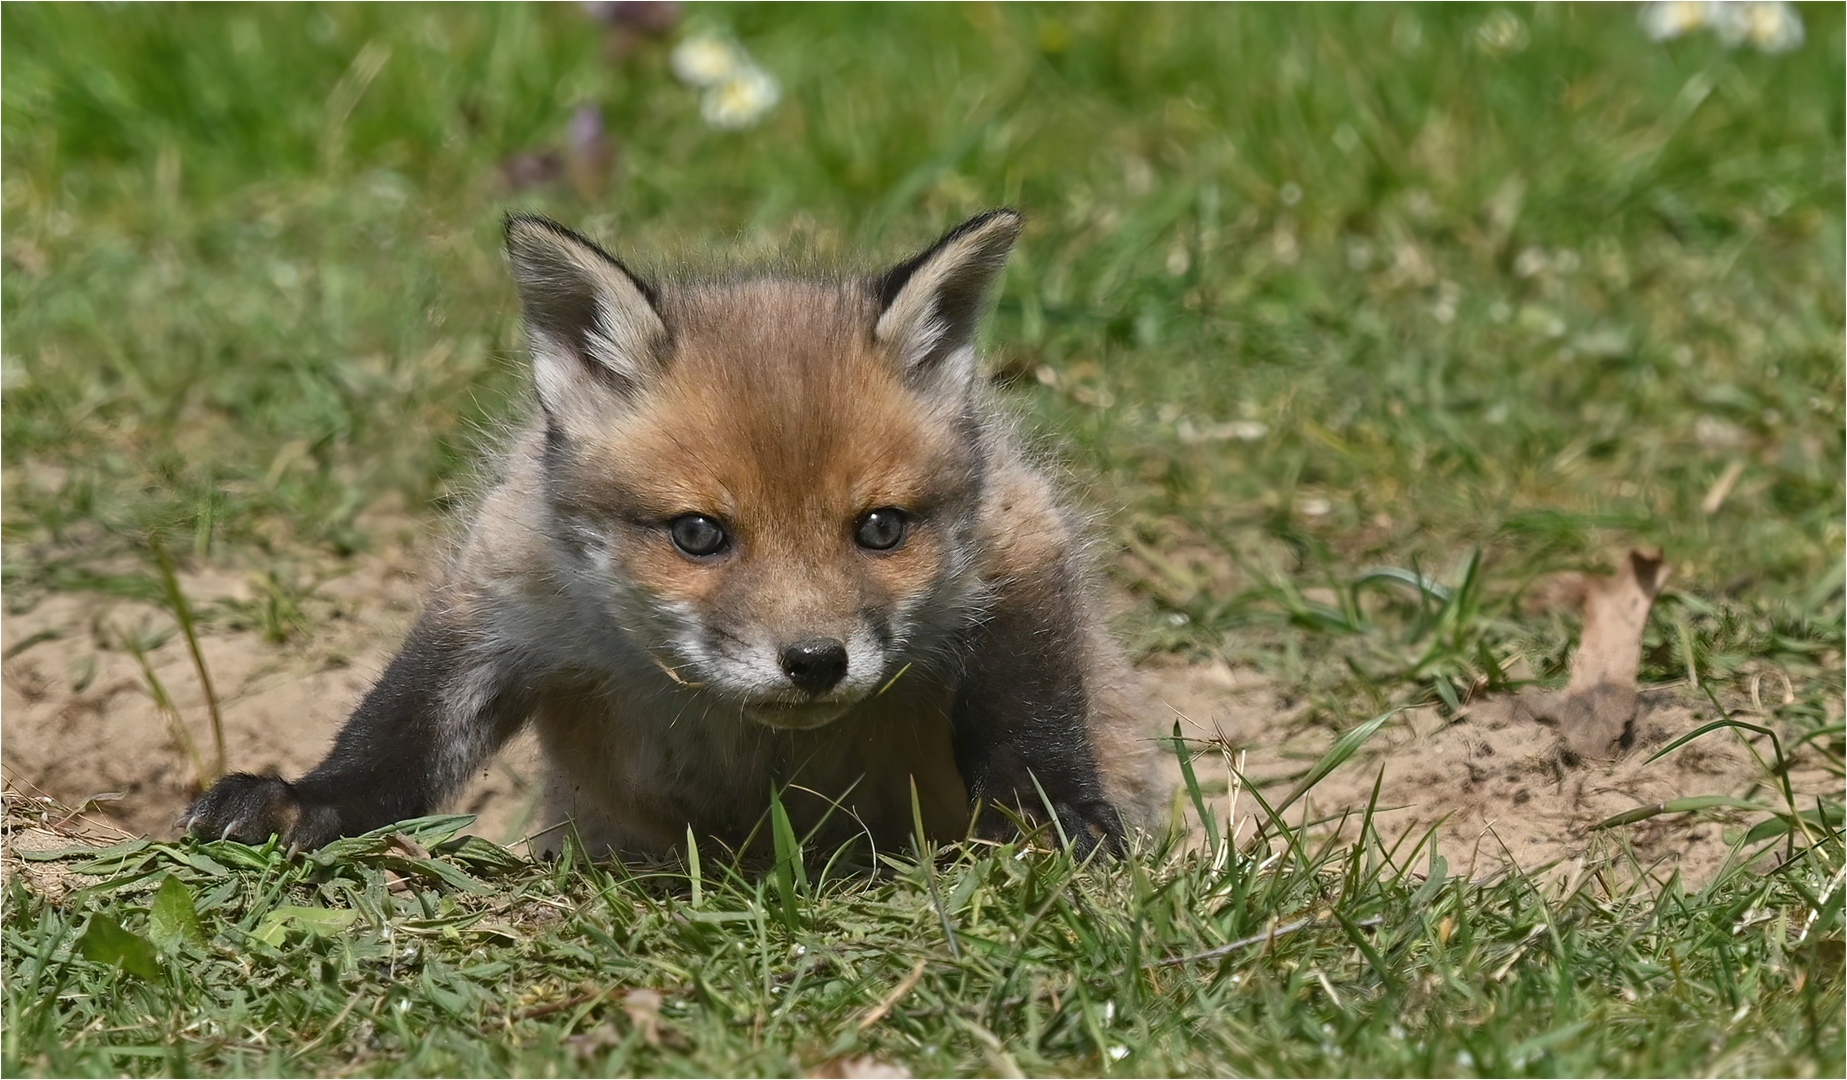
(78, 724)
(1499, 787)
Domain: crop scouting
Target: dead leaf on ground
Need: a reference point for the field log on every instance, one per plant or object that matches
(403, 844)
(1594, 712)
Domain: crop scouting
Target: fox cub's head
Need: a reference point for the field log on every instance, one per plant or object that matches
(770, 484)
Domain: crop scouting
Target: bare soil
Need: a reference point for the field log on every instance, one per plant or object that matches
(1501, 789)
(78, 724)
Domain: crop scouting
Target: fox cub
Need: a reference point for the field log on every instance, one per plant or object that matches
(762, 532)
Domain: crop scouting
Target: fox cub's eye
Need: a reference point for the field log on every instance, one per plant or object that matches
(881, 530)
(697, 535)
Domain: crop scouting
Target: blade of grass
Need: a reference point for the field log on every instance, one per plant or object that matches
(693, 877)
(182, 611)
(1344, 747)
(163, 704)
(1682, 806)
(790, 874)
(1207, 820)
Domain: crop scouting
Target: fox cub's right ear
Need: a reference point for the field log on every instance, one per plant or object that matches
(591, 325)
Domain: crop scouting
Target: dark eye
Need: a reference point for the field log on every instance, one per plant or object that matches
(697, 535)
(881, 530)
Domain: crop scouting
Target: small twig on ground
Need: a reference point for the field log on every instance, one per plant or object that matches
(877, 1012)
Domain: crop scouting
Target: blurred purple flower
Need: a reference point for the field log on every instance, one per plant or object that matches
(590, 154)
(585, 130)
(534, 169)
(652, 19)
(586, 162)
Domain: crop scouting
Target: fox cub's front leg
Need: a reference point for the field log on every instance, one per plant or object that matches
(437, 713)
(1022, 715)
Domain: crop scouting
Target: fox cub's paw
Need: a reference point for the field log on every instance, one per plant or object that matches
(1091, 823)
(251, 809)
(1084, 824)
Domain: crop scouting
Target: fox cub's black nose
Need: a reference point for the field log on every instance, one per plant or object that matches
(815, 665)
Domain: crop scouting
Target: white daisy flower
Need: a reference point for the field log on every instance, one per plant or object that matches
(1772, 27)
(1667, 21)
(1501, 33)
(741, 99)
(707, 60)
(1767, 27)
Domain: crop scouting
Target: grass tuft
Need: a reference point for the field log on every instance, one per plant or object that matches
(1289, 956)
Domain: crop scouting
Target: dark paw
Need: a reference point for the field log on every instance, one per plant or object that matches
(1084, 825)
(1088, 824)
(251, 809)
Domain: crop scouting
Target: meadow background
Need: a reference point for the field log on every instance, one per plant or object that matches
(1468, 291)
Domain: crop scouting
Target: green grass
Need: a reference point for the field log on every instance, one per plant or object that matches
(1305, 293)
(480, 963)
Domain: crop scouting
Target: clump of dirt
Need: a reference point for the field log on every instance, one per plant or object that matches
(81, 727)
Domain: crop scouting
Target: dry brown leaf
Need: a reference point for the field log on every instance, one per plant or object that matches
(1594, 711)
(405, 845)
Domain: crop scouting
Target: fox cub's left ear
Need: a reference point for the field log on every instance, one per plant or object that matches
(930, 305)
(591, 325)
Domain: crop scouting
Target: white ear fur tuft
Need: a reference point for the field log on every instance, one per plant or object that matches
(591, 325)
(931, 305)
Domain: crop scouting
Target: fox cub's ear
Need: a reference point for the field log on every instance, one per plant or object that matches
(591, 325)
(929, 305)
